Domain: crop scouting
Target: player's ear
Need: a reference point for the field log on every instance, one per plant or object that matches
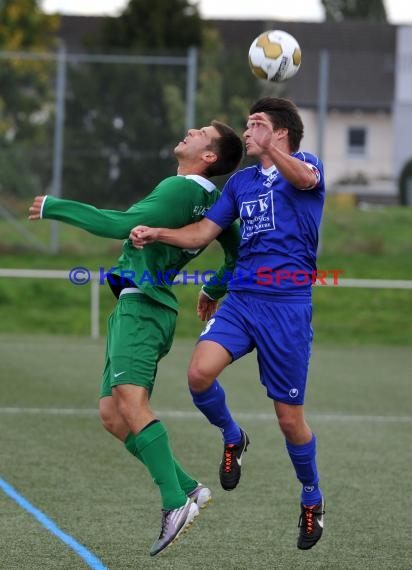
(209, 156)
(282, 133)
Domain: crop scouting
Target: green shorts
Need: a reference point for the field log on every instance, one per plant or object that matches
(140, 333)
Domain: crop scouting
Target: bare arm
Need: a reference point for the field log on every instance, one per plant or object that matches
(300, 174)
(195, 235)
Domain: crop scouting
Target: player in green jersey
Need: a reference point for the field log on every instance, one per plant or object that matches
(141, 327)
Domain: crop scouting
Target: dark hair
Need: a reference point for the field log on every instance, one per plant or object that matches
(284, 115)
(228, 148)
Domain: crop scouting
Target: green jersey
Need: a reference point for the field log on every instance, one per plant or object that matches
(175, 202)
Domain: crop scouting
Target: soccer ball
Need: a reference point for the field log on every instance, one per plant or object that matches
(275, 56)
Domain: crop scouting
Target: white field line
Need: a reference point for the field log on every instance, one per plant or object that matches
(181, 414)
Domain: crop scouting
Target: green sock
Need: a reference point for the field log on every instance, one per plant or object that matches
(186, 482)
(152, 447)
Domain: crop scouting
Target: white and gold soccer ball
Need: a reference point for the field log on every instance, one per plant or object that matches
(275, 56)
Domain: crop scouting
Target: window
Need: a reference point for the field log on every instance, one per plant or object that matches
(357, 141)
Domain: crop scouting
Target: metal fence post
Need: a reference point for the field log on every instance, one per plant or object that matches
(95, 308)
(58, 139)
(323, 84)
(191, 83)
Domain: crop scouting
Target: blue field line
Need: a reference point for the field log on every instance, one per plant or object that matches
(78, 548)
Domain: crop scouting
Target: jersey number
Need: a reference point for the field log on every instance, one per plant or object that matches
(207, 327)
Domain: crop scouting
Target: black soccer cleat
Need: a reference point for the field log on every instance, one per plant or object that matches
(230, 466)
(310, 525)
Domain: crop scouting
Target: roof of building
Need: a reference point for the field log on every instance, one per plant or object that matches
(361, 57)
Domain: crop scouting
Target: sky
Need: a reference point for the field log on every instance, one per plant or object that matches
(398, 11)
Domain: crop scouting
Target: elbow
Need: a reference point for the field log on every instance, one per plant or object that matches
(201, 236)
(305, 183)
(192, 243)
(196, 236)
(203, 241)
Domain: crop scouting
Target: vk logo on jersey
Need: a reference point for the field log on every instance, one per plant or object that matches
(258, 215)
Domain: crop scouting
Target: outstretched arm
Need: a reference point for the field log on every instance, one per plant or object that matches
(111, 223)
(105, 223)
(195, 235)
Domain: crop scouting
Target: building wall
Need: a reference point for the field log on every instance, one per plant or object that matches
(375, 164)
(403, 99)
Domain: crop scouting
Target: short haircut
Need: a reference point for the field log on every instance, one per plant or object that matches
(228, 149)
(284, 115)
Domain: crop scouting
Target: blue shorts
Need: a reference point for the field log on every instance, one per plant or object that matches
(281, 332)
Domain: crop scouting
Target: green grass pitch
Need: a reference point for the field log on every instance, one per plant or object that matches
(55, 453)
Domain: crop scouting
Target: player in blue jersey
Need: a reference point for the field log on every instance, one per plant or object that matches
(279, 203)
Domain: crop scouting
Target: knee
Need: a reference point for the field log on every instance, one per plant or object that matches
(111, 422)
(108, 423)
(198, 379)
(289, 426)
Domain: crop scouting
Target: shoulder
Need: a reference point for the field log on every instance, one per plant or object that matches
(166, 192)
(172, 186)
(172, 182)
(189, 182)
(315, 165)
(309, 158)
(244, 173)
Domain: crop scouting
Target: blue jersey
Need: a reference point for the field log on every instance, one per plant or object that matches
(279, 230)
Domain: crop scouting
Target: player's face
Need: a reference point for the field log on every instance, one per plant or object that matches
(196, 142)
(252, 148)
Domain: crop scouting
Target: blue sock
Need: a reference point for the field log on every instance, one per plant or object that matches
(303, 458)
(212, 404)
